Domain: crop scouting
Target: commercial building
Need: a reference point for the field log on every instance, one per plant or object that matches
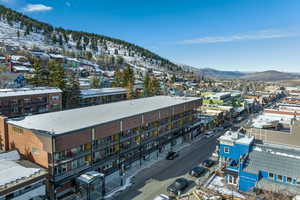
(26, 101)
(108, 138)
(91, 97)
(20, 179)
(251, 165)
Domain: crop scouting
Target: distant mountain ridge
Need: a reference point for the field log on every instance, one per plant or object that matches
(270, 75)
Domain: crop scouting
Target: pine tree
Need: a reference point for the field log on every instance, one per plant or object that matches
(40, 76)
(118, 78)
(147, 85)
(72, 92)
(57, 75)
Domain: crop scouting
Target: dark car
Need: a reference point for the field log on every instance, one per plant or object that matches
(208, 163)
(171, 155)
(178, 186)
(197, 171)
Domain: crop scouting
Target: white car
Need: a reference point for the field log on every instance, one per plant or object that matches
(162, 197)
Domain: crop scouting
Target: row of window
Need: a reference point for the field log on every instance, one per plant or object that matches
(281, 178)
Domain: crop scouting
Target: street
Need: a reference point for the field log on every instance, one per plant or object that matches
(153, 181)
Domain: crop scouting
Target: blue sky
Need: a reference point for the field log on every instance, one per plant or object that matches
(245, 35)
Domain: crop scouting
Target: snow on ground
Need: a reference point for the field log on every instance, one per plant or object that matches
(218, 185)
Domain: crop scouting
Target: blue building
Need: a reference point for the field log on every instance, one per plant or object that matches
(249, 165)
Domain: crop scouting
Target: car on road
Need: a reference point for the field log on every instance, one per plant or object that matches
(162, 197)
(208, 163)
(172, 155)
(197, 171)
(209, 134)
(178, 186)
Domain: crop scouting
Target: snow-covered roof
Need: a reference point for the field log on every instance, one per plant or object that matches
(27, 91)
(57, 56)
(90, 176)
(236, 137)
(80, 118)
(23, 68)
(268, 119)
(102, 92)
(13, 170)
(16, 57)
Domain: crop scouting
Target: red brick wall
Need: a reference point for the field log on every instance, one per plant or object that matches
(3, 134)
(25, 141)
(52, 101)
(178, 109)
(131, 122)
(164, 113)
(107, 130)
(71, 140)
(151, 117)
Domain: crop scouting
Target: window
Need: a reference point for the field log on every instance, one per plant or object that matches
(226, 150)
(271, 175)
(289, 179)
(55, 97)
(280, 178)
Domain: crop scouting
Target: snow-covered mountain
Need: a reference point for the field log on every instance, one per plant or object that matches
(21, 31)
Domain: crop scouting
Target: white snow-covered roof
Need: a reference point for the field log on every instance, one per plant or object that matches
(23, 68)
(11, 170)
(268, 119)
(102, 92)
(16, 57)
(57, 56)
(80, 118)
(237, 137)
(27, 91)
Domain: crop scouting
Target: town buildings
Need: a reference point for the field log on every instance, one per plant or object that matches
(25, 101)
(91, 97)
(107, 138)
(20, 179)
(253, 165)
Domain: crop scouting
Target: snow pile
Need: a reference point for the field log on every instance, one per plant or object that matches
(218, 185)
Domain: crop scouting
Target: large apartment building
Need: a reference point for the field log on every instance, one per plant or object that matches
(25, 101)
(90, 97)
(107, 138)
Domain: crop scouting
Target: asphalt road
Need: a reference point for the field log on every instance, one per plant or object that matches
(154, 181)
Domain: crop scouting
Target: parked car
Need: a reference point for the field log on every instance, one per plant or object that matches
(162, 197)
(197, 171)
(208, 134)
(208, 163)
(172, 155)
(178, 186)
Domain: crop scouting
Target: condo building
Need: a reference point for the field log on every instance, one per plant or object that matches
(26, 101)
(107, 139)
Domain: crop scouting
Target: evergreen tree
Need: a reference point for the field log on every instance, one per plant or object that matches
(147, 85)
(72, 92)
(40, 76)
(57, 75)
(118, 78)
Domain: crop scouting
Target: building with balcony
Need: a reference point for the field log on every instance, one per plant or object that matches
(26, 101)
(20, 179)
(91, 97)
(108, 138)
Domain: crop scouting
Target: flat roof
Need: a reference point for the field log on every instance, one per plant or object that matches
(10, 92)
(76, 119)
(102, 92)
(13, 170)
